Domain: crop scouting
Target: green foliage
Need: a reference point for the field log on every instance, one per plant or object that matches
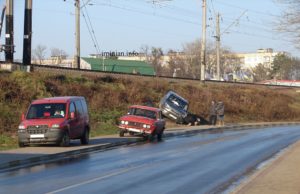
(105, 121)
(7, 142)
(282, 66)
(260, 73)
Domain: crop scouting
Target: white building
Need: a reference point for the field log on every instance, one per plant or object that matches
(262, 56)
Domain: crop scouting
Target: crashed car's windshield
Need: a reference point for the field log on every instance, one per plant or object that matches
(177, 102)
(142, 112)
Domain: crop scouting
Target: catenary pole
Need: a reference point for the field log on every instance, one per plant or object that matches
(218, 43)
(77, 18)
(27, 33)
(9, 34)
(203, 42)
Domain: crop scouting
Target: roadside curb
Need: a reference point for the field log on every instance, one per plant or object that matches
(231, 127)
(63, 155)
(172, 133)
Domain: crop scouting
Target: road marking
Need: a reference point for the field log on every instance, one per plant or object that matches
(96, 179)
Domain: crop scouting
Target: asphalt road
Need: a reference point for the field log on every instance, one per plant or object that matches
(203, 163)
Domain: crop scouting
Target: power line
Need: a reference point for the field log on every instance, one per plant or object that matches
(242, 8)
(241, 23)
(90, 27)
(234, 22)
(247, 20)
(213, 7)
(147, 13)
(173, 7)
(138, 27)
(259, 35)
(212, 15)
(90, 32)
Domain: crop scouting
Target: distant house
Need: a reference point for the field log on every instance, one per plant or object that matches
(282, 82)
(119, 66)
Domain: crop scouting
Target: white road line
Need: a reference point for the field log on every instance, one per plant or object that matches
(95, 179)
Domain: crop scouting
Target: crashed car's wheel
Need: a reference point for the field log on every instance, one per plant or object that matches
(121, 133)
(21, 145)
(131, 133)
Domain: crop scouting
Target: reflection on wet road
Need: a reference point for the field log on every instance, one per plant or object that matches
(203, 163)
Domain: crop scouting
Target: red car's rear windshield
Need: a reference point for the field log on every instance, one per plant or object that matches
(53, 110)
(142, 112)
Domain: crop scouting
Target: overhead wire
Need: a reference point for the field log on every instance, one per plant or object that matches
(250, 10)
(183, 12)
(90, 27)
(131, 9)
(172, 7)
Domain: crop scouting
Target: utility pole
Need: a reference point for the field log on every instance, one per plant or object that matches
(77, 16)
(218, 43)
(27, 33)
(203, 43)
(9, 35)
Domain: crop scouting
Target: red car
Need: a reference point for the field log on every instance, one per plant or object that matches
(55, 120)
(143, 120)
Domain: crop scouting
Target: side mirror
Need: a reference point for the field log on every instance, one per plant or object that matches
(72, 115)
(23, 117)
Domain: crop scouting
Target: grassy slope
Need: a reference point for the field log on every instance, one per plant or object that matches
(108, 98)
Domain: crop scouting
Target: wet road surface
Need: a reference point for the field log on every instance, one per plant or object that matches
(203, 163)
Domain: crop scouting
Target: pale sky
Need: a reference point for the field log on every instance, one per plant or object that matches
(125, 25)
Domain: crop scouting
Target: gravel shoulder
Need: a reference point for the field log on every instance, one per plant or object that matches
(281, 176)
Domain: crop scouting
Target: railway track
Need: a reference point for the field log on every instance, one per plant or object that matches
(72, 71)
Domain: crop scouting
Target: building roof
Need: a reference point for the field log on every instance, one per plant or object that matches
(120, 66)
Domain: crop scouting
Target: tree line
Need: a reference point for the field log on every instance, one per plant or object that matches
(186, 64)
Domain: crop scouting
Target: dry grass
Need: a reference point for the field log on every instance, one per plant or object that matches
(108, 98)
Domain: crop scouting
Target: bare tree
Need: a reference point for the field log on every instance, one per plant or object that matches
(261, 72)
(58, 55)
(176, 65)
(156, 62)
(192, 53)
(193, 57)
(230, 62)
(39, 53)
(56, 52)
(289, 21)
(187, 63)
(145, 52)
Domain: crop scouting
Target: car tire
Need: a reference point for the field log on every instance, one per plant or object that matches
(151, 136)
(121, 133)
(65, 140)
(131, 133)
(84, 140)
(21, 145)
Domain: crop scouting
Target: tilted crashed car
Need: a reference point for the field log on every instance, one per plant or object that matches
(174, 107)
(142, 120)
